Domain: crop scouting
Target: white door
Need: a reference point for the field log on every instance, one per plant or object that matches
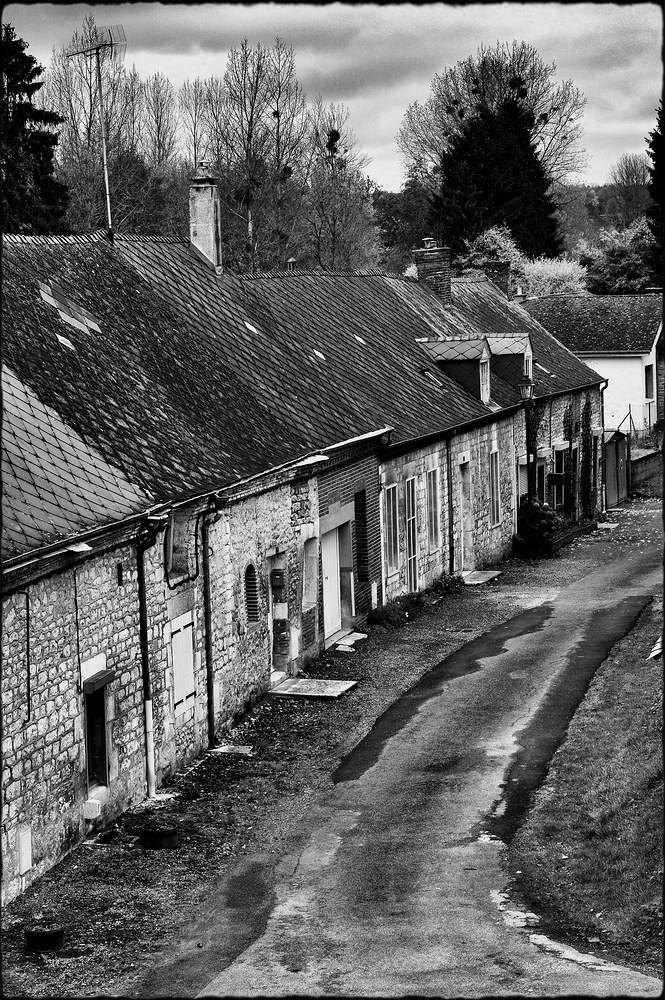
(332, 605)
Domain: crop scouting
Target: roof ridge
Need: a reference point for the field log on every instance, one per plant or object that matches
(56, 239)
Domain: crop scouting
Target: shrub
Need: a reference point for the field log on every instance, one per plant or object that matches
(537, 524)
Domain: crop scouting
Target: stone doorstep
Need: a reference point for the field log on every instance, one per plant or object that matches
(294, 687)
(607, 525)
(337, 637)
(473, 578)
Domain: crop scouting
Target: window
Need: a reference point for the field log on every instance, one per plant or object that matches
(310, 573)
(648, 381)
(360, 519)
(540, 480)
(559, 460)
(391, 529)
(95, 737)
(484, 381)
(251, 595)
(182, 658)
(176, 545)
(433, 515)
(495, 498)
(411, 535)
(527, 366)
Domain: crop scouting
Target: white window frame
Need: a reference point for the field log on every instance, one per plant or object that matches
(495, 488)
(527, 365)
(391, 529)
(484, 381)
(183, 661)
(411, 525)
(433, 510)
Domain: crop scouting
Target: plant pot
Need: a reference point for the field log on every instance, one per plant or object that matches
(155, 838)
(44, 937)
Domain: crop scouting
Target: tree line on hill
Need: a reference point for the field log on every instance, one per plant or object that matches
(488, 159)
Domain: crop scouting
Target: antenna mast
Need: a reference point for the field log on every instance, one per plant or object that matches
(111, 37)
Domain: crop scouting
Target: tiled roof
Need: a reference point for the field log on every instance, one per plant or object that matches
(186, 381)
(600, 324)
(456, 349)
(54, 485)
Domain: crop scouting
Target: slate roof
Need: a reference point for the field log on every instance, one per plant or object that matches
(600, 324)
(54, 485)
(184, 381)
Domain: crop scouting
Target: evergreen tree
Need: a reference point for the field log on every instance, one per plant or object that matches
(33, 201)
(656, 213)
(492, 175)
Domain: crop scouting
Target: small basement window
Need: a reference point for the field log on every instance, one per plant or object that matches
(251, 595)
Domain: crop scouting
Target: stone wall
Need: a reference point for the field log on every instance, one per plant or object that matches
(75, 615)
(485, 543)
(432, 561)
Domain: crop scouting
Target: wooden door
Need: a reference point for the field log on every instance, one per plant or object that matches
(332, 604)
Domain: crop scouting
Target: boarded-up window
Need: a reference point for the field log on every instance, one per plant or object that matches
(495, 497)
(182, 655)
(433, 510)
(391, 529)
(177, 538)
(310, 573)
(251, 594)
(360, 519)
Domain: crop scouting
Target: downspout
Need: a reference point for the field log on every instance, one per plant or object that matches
(207, 617)
(451, 537)
(142, 547)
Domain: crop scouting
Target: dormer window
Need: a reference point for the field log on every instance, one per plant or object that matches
(527, 365)
(485, 381)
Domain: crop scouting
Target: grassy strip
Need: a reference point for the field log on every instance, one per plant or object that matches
(589, 859)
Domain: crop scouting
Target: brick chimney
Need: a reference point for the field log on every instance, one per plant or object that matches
(433, 265)
(204, 218)
(499, 273)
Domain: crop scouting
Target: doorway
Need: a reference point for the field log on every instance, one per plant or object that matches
(466, 510)
(332, 603)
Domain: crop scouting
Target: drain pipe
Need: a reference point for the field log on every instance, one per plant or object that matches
(143, 544)
(451, 537)
(207, 616)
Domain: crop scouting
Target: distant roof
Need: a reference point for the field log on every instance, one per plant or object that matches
(54, 484)
(600, 324)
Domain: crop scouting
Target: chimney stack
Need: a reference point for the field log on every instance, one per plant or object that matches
(499, 273)
(204, 217)
(433, 265)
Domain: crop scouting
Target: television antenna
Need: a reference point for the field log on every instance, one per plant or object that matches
(112, 38)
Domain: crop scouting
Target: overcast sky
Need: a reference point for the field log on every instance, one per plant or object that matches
(378, 59)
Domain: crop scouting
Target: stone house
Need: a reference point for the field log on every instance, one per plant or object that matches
(619, 336)
(197, 474)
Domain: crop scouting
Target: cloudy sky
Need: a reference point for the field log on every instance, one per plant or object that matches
(378, 59)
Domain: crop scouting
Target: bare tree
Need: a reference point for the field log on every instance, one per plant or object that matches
(629, 178)
(192, 102)
(160, 120)
(486, 80)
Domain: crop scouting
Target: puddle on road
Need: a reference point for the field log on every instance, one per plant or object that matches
(462, 662)
(547, 729)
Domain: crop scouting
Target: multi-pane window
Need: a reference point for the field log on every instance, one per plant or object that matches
(411, 535)
(559, 459)
(391, 529)
(433, 515)
(495, 497)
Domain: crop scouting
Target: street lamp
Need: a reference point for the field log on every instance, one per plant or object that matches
(525, 386)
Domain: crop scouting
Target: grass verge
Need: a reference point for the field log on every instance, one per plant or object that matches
(589, 859)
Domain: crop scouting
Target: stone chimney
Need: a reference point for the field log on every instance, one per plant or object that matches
(499, 273)
(204, 217)
(433, 265)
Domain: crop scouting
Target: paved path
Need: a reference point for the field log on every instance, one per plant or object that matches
(395, 886)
